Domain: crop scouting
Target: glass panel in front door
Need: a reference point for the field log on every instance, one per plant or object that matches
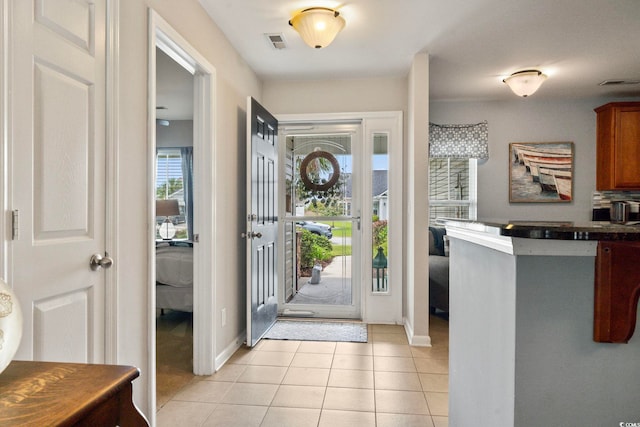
(320, 205)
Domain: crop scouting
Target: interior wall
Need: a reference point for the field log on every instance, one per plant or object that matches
(234, 82)
(416, 177)
(530, 120)
(179, 133)
(335, 96)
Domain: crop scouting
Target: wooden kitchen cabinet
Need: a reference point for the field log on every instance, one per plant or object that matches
(618, 146)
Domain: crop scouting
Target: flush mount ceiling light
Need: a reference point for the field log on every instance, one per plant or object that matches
(525, 83)
(318, 26)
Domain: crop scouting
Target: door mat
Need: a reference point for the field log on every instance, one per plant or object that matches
(317, 331)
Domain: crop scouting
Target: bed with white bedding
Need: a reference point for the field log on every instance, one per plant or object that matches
(174, 277)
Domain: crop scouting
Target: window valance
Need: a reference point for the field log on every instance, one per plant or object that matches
(464, 141)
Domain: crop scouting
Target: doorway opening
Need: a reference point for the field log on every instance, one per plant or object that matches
(174, 223)
(360, 215)
(322, 236)
(181, 194)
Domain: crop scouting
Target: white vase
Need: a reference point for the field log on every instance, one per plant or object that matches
(10, 325)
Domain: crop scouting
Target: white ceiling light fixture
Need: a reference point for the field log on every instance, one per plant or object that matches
(318, 26)
(525, 83)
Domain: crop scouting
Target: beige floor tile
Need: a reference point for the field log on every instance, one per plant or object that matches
(438, 403)
(291, 417)
(204, 391)
(250, 394)
(387, 349)
(271, 358)
(441, 352)
(389, 338)
(362, 349)
(404, 420)
(401, 402)
(263, 374)
(228, 373)
(434, 382)
(352, 361)
(307, 376)
(408, 381)
(235, 416)
(432, 366)
(332, 418)
(278, 345)
(393, 364)
(312, 360)
(299, 396)
(184, 413)
(242, 356)
(349, 399)
(388, 329)
(440, 421)
(317, 347)
(350, 378)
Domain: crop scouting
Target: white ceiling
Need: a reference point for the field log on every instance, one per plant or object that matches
(472, 44)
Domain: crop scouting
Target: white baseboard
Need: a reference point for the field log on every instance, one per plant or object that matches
(226, 354)
(416, 340)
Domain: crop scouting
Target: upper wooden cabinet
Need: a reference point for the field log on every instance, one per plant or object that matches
(618, 146)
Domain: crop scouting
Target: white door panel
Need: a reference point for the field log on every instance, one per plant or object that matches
(58, 178)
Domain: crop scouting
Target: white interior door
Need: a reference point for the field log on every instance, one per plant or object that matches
(262, 221)
(58, 176)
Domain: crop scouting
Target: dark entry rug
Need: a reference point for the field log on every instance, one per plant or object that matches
(317, 331)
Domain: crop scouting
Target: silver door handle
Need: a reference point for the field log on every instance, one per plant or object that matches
(98, 261)
(251, 235)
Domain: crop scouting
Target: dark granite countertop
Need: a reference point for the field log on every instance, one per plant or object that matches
(556, 230)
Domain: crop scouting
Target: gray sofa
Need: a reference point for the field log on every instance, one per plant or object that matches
(438, 271)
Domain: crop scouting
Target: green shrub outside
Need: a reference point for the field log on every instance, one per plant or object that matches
(314, 248)
(380, 234)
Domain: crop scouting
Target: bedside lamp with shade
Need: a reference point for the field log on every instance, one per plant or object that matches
(167, 208)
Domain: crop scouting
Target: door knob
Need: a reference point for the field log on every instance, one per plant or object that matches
(251, 235)
(98, 261)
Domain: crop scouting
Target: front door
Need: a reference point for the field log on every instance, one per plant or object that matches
(57, 178)
(323, 223)
(262, 221)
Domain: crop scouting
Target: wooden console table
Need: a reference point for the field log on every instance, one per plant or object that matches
(68, 394)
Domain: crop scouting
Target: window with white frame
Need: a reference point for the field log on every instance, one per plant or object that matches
(170, 185)
(452, 188)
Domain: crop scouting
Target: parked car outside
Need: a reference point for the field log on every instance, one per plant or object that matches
(316, 228)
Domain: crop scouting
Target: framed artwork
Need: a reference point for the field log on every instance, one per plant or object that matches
(540, 172)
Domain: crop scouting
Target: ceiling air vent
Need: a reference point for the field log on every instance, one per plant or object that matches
(616, 82)
(276, 40)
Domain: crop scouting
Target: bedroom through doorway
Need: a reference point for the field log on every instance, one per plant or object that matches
(174, 227)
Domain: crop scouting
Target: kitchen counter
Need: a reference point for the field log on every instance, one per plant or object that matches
(530, 303)
(556, 230)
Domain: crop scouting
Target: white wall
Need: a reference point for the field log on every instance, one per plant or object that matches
(530, 120)
(335, 96)
(416, 238)
(179, 133)
(235, 81)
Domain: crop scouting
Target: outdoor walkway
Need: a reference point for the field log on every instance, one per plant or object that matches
(334, 287)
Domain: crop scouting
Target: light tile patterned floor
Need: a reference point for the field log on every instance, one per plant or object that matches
(382, 383)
